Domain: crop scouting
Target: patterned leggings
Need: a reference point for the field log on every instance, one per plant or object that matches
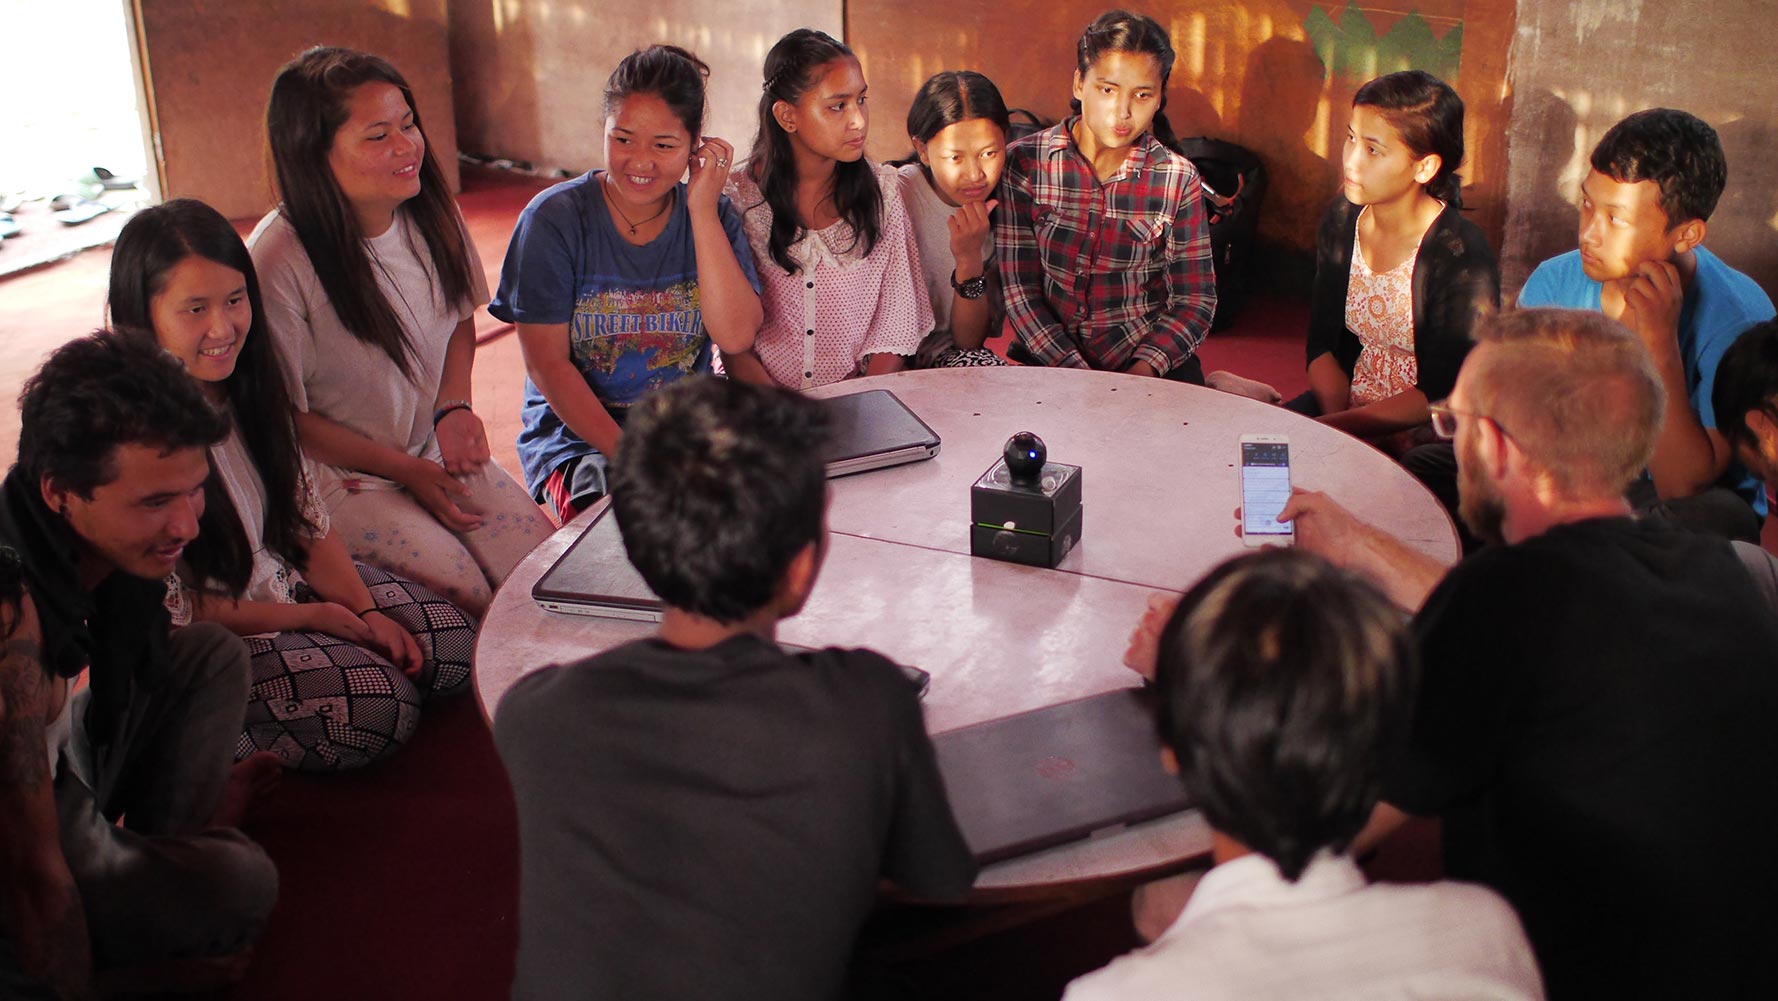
(389, 528)
(321, 703)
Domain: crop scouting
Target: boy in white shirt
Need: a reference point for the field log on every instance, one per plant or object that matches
(1281, 681)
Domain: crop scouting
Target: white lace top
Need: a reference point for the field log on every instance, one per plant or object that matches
(273, 578)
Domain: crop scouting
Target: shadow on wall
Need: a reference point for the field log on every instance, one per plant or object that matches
(1545, 171)
(1281, 98)
(1192, 114)
(1746, 219)
(496, 93)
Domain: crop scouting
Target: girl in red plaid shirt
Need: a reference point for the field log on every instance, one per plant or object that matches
(1101, 234)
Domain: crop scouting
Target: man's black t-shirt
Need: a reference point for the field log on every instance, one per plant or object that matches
(712, 824)
(1598, 727)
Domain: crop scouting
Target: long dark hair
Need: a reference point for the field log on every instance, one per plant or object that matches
(1136, 34)
(668, 72)
(789, 71)
(1428, 115)
(307, 108)
(951, 97)
(151, 244)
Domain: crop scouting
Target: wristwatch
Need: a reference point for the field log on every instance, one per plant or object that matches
(974, 288)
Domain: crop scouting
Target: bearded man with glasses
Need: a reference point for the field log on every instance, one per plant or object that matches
(1595, 720)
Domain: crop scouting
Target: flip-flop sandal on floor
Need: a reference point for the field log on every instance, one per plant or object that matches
(112, 182)
(72, 210)
(8, 225)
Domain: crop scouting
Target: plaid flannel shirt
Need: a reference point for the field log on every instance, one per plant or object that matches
(1099, 275)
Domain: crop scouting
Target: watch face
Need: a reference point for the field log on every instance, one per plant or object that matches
(971, 289)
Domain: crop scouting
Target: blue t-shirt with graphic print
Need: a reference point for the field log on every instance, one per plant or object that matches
(635, 321)
(1719, 305)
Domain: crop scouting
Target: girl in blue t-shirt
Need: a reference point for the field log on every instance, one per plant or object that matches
(620, 280)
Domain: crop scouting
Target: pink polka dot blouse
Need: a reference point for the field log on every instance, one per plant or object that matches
(841, 304)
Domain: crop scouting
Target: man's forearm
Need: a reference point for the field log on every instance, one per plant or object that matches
(1685, 460)
(40, 907)
(1406, 574)
(45, 920)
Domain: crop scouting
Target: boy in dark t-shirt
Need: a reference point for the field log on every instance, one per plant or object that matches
(701, 814)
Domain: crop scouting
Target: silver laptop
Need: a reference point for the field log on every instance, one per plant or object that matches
(595, 577)
(1085, 768)
(873, 430)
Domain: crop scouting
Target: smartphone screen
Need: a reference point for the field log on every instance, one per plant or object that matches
(1265, 487)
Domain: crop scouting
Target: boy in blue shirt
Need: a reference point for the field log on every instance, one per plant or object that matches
(1655, 178)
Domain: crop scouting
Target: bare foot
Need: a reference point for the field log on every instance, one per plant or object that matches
(1228, 382)
(252, 777)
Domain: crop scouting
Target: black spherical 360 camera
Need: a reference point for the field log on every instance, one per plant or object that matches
(1025, 455)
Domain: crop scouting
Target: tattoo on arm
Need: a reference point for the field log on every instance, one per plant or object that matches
(24, 697)
(40, 908)
(65, 959)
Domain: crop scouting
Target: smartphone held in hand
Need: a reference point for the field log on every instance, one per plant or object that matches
(1265, 489)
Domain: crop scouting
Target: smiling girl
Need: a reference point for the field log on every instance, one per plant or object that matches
(1400, 276)
(830, 236)
(341, 655)
(958, 125)
(371, 284)
(621, 279)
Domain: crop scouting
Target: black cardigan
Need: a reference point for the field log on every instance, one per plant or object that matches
(1456, 282)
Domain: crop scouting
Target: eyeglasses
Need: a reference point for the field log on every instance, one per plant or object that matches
(1444, 421)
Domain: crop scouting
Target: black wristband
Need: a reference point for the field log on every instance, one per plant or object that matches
(973, 288)
(448, 409)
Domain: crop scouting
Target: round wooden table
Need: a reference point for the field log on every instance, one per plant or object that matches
(1160, 489)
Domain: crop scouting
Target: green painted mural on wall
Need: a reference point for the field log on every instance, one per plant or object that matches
(1352, 47)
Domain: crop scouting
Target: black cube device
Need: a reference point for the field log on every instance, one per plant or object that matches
(1025, 509)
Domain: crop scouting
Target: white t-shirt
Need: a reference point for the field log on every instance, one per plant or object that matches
(1249, 934)
(334, 374)
(931, 219)
(273, 578)
(59, 731)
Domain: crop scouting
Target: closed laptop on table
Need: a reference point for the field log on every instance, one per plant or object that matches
(1051, 776)
(874, 430)
(868, 430)
(595, 577)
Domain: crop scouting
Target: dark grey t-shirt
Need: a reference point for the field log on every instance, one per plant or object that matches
(712, 824)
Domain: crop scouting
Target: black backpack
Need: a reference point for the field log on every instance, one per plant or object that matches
(1033, 123)
(1234, 185)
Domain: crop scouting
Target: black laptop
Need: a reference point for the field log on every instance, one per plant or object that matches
(874, 430)
(1024, 783)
